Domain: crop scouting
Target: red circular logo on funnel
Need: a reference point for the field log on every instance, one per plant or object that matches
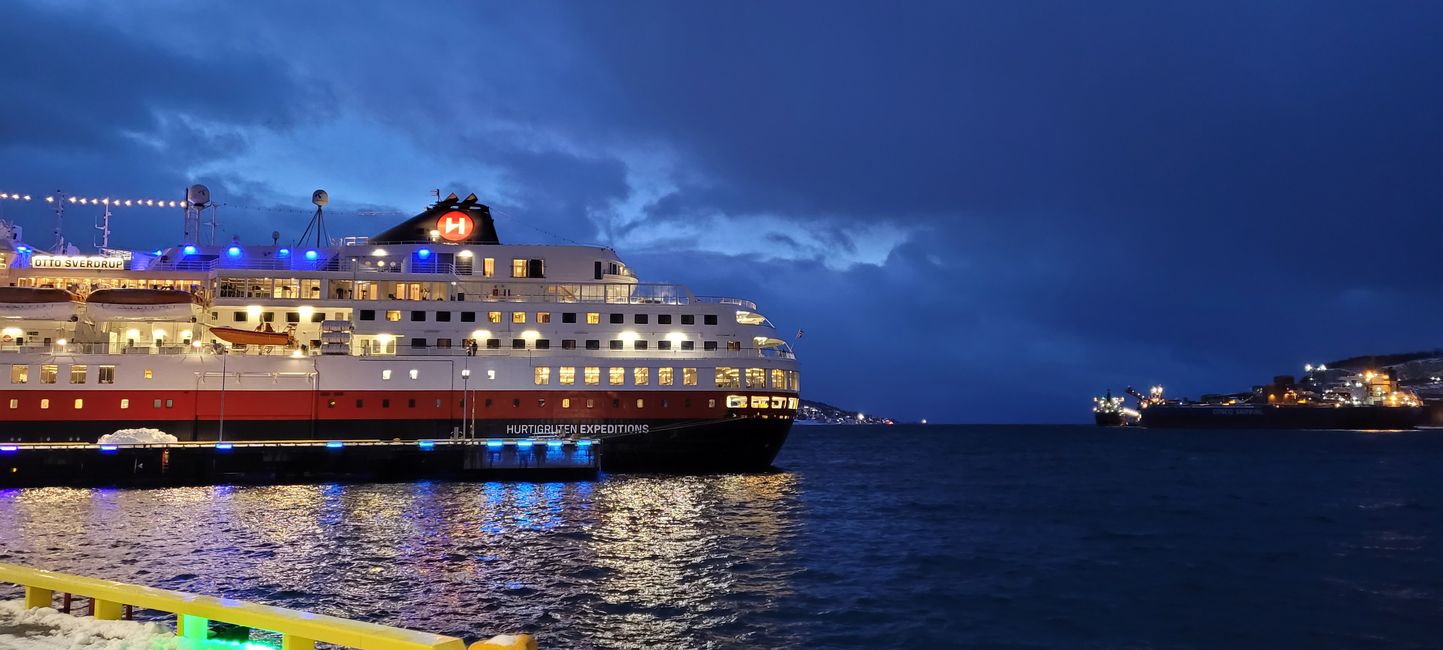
(455, 225)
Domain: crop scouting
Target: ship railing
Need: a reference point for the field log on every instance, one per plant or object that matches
(726, 300)
(595, 357)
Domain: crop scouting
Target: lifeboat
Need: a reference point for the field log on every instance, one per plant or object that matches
(142, 305)
(251, 337)
(34, 303)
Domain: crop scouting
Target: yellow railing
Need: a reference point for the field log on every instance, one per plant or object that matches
(299, 630)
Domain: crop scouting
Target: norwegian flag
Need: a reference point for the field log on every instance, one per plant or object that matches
(800, 332)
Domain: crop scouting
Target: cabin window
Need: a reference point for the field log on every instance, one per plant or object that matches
(688, 345)
(418, 343)
(590, 403)
(618, 319)
(728, 378)
(640, 319)
(368, 314)
(318, 317)
(616, 344)
(77, 373)
(269, 317)
(756, 378)
(567, 375)
(640, 403)
(124, 403)
(418, 316)
(518, 344)
(105, 375)
(543, 344)
(568, 344)
(360, 403)
(331, 404)
(169, 403)
(385, 403)
(543, 317)
(443, 344)
(293, 317)
(638, 345)
(156, 404)
(493, 316)
(543, 376)
(414, 373)
(566, 402)
(488, 266)
(518, 267)
(734, 346)
(688, 376)
(593, 318)
(779, 378)
(617, 376)
(386, 375)
(393, 315)
(663, 376)
(48, 373)
(468, 316)
(411, 403)
(493, 344)
(239, 317)
(663, 345)
(641, 376)
(709, 319)
(593, 376)
(14, 403)
(663, 319)
(44, 403)
(518, 317)
(708, 345)
(19, 373)
(593, 344)
(443, 316)
(568, 317)
(688, 319)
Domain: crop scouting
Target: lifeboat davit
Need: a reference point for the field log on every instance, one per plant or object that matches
(142, 305)
(35, 303)
(251, 337)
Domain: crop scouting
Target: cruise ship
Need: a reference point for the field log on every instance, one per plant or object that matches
(432, 329)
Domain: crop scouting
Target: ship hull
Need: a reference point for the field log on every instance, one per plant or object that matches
(1282, 417)
(740, 444)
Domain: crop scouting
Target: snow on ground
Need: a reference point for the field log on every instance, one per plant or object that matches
(47, 629)
(141, 436)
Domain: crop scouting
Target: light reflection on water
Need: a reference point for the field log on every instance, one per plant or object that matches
(623, 562)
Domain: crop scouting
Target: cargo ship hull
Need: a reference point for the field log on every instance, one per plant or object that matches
(1282, 417)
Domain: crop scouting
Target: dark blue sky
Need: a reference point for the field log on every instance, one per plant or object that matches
(978, 211)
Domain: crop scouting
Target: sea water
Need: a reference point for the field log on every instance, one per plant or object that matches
(865, 537)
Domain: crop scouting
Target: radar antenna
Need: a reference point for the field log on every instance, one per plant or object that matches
(318, 221)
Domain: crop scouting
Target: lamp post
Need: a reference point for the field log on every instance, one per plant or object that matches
(465, 401)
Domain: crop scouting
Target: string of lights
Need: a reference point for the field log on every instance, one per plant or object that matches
(85, 200)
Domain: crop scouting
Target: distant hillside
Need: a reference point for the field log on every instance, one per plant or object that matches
(1371, 361)
(823, 413)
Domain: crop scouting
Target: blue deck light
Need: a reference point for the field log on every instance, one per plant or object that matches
(554, 444)
(423, 253)
(233, 251)
(426, 445)
(311, 255)
(23, 249)
(108, 449)
(223, 446)
(284, 252)
(583, 443)
(188, 250)
(335, 444)
(158, 252)
(9, 449)
(494, 444)
(523, 444)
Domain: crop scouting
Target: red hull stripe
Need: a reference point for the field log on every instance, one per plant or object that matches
(109, 405)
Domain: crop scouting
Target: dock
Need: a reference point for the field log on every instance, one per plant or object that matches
(291, 461)
(195, 617)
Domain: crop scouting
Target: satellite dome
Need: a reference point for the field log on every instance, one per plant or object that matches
(198, 195)
(319, 197)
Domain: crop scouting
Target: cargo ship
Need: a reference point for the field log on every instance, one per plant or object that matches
(1368, 400)
(430, 329)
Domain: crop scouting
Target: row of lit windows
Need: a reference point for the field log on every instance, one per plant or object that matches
(725, 377)
(516, 317)
(570, 344)
(80, 403)
(270, 317)
(50, 374)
